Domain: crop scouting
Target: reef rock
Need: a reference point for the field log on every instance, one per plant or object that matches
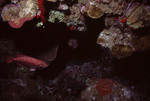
(119, 42)
(108, 90)
(20, 12)
(138, 16)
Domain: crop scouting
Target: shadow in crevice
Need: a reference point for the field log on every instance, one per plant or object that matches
(134, 68)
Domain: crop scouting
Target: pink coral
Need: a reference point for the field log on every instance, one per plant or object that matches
(17, 23)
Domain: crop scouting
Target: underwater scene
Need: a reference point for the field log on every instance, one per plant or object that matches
(74, 50)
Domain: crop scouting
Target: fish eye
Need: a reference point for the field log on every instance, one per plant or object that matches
(40, 66)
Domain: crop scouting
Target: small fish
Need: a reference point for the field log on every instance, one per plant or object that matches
(27, 61)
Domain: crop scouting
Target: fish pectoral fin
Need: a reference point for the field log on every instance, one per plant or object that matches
(32, 69)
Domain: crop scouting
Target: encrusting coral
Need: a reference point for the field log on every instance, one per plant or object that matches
(104, 86)
(138, 16)
(20, 12)
(94, 12)
(119, 42)
(106, 89)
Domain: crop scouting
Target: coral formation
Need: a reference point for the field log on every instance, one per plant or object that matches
(40, 24)
(138, 16)
(9, 12)
(107, 7)
(18, 22)
(63, 6)
(94, 12)
(15, 1)
(80, 73)
(104, 86)
(120, 92)
(53, 15)
(142, 43)
(124, 30)
(122, 51)
(113, 38)
(75, 19)
(17, 14)
(51, 0)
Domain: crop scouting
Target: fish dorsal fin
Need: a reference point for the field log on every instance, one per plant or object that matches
(20, 55)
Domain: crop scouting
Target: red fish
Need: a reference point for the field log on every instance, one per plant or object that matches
(27, 61)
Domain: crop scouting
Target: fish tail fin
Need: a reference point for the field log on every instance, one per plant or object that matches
(9, 59)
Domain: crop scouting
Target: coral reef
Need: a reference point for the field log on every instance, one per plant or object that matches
(107, 7)
(138, 16)
(77, 67)
(53, 15)
(119, 42)
(60, 88)
(51, 0)
(63, 7)
(9, 12)
(122, 51)
(135, 17)
(81, 73)
(142, 43)
(17, 14)
(104, 86)
(110, 90)
(18, 89)
(75, 18)
(94, 12)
